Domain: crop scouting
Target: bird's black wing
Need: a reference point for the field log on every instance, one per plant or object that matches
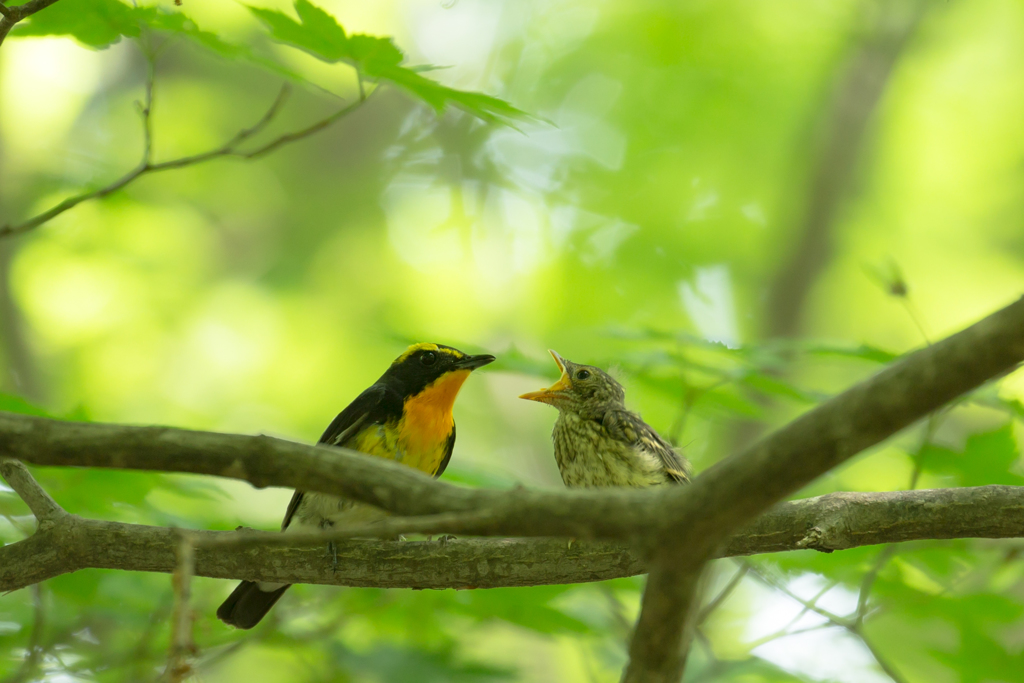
(629, 427)
(374, 406)
(450, 446)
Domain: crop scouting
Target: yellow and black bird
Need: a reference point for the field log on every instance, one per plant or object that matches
(405, 416)
(598, 441)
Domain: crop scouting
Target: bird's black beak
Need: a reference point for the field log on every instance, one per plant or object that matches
(474, 362)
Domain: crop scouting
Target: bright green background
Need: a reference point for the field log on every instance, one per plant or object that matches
(646, 209)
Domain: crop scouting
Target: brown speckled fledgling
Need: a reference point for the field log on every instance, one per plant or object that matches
(598, 441)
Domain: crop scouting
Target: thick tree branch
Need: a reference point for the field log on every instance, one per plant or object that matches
(683, 525)
(728, 495)
(741, 487)
(12, 15)
(833, 522)
(660, 644)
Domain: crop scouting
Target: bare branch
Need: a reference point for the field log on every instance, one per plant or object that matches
(12, 15)
(684, 520)
(854, 624)
(883, 662)
(24, 484)
(182, 643)
(723, 594)
(661, 642)
(741, 487)
(869, 582)
(74, 544)
(146, 110)
(681, 527)
(809, 605)
(229, 149)
(34, 652)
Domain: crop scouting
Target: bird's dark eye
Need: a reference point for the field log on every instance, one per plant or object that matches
(583, 374)
(429, 358)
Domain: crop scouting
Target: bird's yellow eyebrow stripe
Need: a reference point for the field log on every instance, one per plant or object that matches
(427, 346)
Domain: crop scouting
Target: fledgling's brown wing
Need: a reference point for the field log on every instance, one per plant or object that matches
(628, 427)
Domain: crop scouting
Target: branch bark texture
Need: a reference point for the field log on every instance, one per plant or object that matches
(673, 528)
(12, 15)
(836, 521)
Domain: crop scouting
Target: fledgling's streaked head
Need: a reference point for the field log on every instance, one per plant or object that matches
(581, 389)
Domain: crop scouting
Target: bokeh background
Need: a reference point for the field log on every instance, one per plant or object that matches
(741, 207)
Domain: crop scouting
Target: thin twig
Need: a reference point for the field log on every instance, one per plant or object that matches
(12, 15)
(868, 583)
(182, 644)
(618, 609)
(299, 134)
(34, 652)
(24, 484)
(359, 79)
(854, 625)
(725, 592)
(146, 109)
(786, 633)
(229, 149)
(883, 663)
(808, 604)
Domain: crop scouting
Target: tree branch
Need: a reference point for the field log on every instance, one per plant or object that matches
(737, 489)
(858, 90)
(660, 644)
(24, 484)
(713, 507)
(679, 526)
(836, 521)
(229, 149)
(12, 15)
(182, 643)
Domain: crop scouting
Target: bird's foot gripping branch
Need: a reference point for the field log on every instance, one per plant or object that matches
(732, 508)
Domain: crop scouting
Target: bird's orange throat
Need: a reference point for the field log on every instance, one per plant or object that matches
(428, 414)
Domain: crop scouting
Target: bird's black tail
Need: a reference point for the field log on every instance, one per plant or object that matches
(247, 604)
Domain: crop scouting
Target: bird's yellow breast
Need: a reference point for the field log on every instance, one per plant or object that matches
(420, 438)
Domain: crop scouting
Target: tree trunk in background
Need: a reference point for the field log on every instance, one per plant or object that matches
(859, 88)
(859, 85)
(18, 375)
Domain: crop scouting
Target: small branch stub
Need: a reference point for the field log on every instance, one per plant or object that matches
(45, 508)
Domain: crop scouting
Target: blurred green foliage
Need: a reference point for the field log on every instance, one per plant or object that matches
(627, 201)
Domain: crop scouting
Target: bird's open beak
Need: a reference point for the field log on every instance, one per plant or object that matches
(556, 391)
(474, 362)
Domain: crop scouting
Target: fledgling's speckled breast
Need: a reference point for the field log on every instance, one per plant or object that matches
(589, 457)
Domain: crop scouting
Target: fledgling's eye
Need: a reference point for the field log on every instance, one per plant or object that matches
(583, 374)
(429, 358)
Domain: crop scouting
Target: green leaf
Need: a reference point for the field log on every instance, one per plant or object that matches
(378, 59)
(318, 33)
(862, 352)
(773, 386)
(374, 52)
(96, 23)
(438, 96)
(987, 458)
(16, 404)
(101, 23)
